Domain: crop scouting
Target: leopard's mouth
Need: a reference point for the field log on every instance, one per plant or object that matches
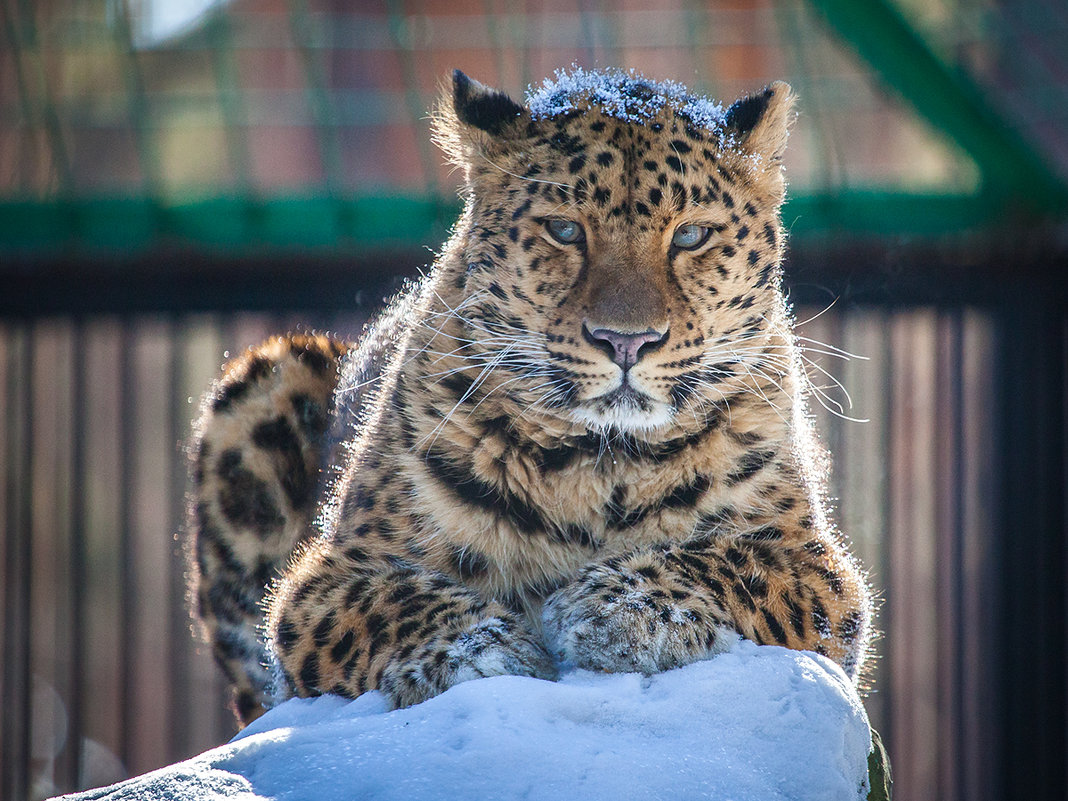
(625, 408)
(626, 395)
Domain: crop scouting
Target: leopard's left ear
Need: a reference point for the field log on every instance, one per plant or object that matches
(761, 122)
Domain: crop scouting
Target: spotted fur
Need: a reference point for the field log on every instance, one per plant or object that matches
(588, 450)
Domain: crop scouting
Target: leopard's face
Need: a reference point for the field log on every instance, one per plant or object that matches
(623, 274)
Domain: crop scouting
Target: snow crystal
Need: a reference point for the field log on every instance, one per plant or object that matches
(625, 95)
(757, 722)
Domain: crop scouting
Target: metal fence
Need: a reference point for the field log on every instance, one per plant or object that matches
(102, 678)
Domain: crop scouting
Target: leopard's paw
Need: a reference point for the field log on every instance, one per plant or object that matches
(491, 647)
(618, 620)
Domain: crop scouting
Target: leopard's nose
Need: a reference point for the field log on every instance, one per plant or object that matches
(625, 349)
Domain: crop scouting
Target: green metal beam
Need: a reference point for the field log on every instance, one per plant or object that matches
(225, 223)
(948, 99)
(290, 225)
(862, 213)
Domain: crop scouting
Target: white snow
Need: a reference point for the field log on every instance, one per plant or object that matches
(756, 722)
(625, 95)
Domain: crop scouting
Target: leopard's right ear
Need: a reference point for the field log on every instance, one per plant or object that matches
(485, 108)
(472, 117)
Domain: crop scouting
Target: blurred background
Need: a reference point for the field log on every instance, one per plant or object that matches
(180, 178)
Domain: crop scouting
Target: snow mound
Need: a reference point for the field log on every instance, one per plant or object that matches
(627, 96)
(757, 722)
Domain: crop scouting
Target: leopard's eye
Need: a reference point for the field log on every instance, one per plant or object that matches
(567, 232)
(689, 237)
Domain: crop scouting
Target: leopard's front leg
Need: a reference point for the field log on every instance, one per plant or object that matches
(344, 622)
(659, 608)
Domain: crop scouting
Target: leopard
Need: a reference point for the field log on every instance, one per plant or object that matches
(580, 441)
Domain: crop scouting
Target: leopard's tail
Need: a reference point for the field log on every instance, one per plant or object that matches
(257, 457)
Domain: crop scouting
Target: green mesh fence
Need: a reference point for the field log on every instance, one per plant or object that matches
(297, 124)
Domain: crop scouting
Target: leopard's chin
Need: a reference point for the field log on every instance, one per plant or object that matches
(624, 409)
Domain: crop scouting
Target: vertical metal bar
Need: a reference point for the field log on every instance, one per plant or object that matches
(127, 602)
(24, 613)
(1033, 50)
(16, 721)
(490, 15)
(609, 27)
(861, 469)
(180, 680)
(980, 574)
(137, 104)
(588, 35)
(511, 16)
(231, 100)
(399, 32)
(697, 14)
(949, 476)
(7, 535)
(225, 334)
(1012, 694)
(517, 25)
(961, 740)
(889, 569)
(11, 34)
(1031, 630)
(790, 20)
(323, 111)
(78, 562)
(1061, 410)
(49, 118)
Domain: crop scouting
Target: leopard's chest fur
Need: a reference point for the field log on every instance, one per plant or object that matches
(465, 478)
